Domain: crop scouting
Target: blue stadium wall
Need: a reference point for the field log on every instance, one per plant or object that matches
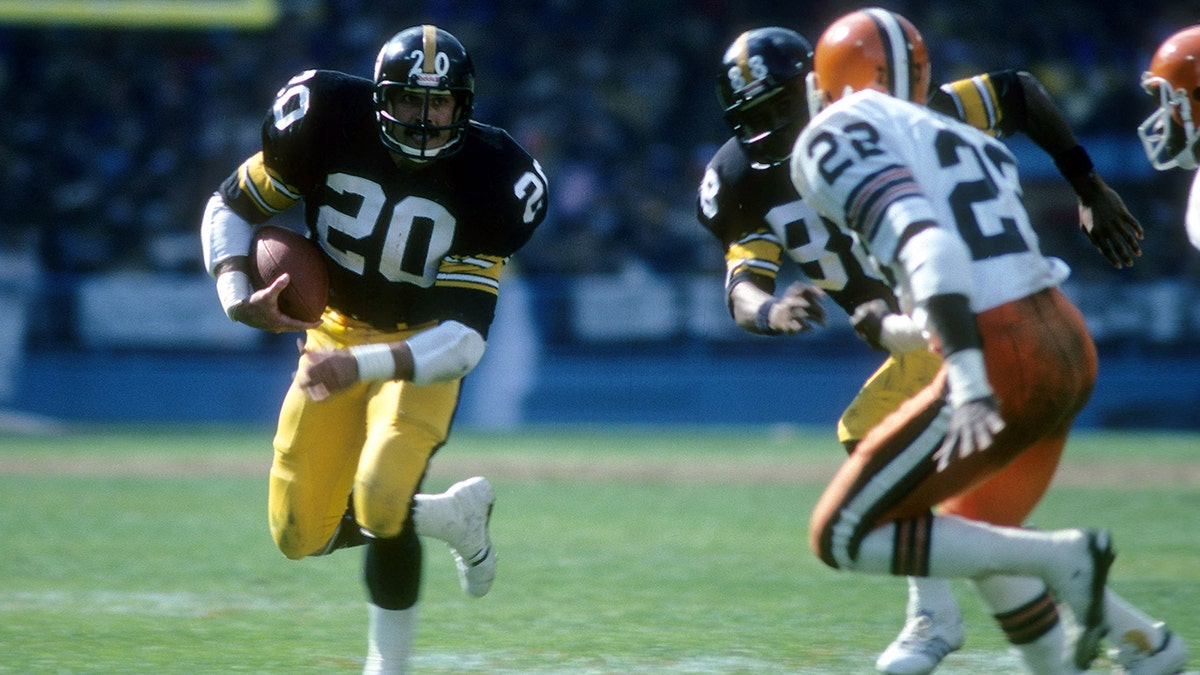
(633, 348)
(683, 388)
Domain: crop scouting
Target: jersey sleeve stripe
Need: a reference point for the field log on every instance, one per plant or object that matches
(480, 273)
(755, 248)
(757, 253)
(741, 266)
(760, 236)
(269, 194)
(975, 100)
(477, 282)
(869, 201)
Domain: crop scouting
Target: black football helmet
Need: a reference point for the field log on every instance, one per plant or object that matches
(426, 60)
(762, 87)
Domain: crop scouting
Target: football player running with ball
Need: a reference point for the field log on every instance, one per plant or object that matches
(747, 201)
(1170, 133)
(417, 208)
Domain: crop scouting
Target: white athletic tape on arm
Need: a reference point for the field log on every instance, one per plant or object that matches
(233, 288)
(966, 375)
(898, 333)
(447, 351)
(375, 361)
(223, 233)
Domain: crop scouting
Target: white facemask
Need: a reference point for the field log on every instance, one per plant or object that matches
(1159, 133)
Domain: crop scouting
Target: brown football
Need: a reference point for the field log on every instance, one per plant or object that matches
(277, 250)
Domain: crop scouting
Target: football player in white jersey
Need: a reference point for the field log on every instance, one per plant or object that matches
(875, 48)
(1170, 133)
(938, 206)
(747, 201)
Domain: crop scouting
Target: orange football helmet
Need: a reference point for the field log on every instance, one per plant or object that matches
(1170, 133)
(870, 49)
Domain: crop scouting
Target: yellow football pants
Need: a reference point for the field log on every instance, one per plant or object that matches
(891, 384)
(373, 440)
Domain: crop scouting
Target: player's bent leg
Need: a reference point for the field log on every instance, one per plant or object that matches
(316, 454)
(933, 625)
(1073, 563)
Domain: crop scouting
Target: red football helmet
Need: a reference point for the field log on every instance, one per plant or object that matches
(870, 49)
(1169, 134)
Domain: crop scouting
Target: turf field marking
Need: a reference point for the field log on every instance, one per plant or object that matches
(140, 603)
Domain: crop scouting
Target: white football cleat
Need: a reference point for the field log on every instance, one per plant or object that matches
(1169, 658)
(1083, 592)
(473, 552)
(922, 644)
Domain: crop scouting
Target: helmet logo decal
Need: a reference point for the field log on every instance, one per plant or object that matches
(429, 65)
(750, 72)
(426, 72)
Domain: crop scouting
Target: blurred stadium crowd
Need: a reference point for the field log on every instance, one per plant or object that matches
(112, 140)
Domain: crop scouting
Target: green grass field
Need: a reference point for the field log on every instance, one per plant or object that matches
(632, 551)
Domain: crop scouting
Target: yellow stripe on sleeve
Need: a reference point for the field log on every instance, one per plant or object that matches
(481, 273)
(264, 187)
(753, 254)
(976, 100)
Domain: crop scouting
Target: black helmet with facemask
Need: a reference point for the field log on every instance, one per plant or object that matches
(427, 61)
(763, 90)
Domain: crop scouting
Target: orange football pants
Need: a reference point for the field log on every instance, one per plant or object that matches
(1042, 365)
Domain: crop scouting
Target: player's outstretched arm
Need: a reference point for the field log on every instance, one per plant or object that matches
(797, 310)
(1108, 224)
(1103, 217)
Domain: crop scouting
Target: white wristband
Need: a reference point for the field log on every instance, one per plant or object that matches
(966, 376)
(375, 361)
(233, 288)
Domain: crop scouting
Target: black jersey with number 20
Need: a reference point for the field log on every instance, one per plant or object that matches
(406, 243)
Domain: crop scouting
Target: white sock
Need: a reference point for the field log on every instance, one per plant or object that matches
(1028, 597)
(968, 549)
(1129, 627)
(932, 596)
(389, 639)
(436, 516)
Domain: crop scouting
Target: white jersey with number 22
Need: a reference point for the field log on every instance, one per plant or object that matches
(876, 165)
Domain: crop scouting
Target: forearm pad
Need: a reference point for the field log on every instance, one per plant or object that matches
(447, 351)
(223, 233)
